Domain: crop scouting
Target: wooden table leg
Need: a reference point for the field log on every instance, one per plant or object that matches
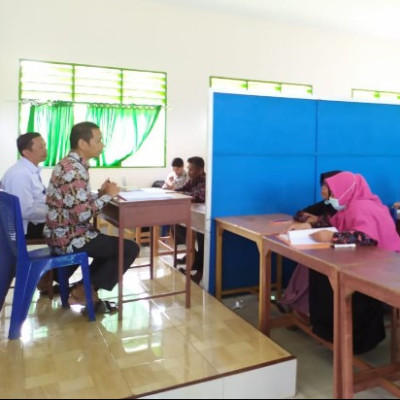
(189, 261)
(343, 387)
(120, 270)
(218, 263)
(264, 301)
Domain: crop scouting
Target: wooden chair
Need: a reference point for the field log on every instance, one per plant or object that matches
(142, 236)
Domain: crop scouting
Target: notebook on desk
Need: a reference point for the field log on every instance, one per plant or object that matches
(302, 238)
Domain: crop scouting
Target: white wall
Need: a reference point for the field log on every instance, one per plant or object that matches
(190, 46)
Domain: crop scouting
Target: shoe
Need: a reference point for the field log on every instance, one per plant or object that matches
(181, 260)
(196, 267)
(102, 307)
(183, 271)
(197, 277)
(77, 295)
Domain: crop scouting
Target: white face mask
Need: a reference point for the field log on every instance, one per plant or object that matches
(335, 204)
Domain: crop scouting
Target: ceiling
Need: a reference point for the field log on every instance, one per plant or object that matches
(379, 18)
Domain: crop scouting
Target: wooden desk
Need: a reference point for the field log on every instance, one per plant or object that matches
(330, 262)
(198, 217)
(139, 213)
(197, 224)
(380, 280)
(252, 227)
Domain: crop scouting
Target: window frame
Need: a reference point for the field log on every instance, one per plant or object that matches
(160, 101)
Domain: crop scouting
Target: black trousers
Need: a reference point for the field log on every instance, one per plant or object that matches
(198, 262)
(368, 323)
(104, 267)
(34, 231)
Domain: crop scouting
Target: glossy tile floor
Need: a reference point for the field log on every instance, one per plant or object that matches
(158, 344)
(314, 361)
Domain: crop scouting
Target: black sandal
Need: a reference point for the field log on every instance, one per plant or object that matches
(103, 307)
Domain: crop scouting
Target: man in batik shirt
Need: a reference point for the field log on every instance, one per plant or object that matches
(72, 206)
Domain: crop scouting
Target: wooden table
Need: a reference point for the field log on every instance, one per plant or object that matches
(154, 212)
(252, 227)
(198, 217)
(330, 262)
(197, 224)
(380, 280)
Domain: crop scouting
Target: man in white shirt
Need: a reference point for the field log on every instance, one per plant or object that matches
(23, 180)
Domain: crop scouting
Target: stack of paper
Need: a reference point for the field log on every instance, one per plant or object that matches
(135, 195)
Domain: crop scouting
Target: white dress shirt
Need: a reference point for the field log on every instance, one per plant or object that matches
(177, 181)
(23, 180)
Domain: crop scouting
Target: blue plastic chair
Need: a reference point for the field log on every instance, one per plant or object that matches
(28, 267)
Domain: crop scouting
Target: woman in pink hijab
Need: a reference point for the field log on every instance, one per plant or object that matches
(359, 211)
(362, 219)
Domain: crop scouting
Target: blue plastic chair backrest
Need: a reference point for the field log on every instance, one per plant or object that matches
(13, 248)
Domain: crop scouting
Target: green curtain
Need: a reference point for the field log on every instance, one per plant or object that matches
(105, 117)
(54, 122)
(124, 129)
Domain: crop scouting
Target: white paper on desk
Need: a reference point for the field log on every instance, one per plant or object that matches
(302, 236)
(144, 195)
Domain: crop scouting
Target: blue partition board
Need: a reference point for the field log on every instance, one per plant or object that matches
(257, 125)
(268, 153)
(259, 185)
(263, 157)
(346, 128)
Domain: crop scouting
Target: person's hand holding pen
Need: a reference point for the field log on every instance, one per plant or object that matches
(110, 188)
(323, 235)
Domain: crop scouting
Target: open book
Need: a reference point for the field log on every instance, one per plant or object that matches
(302, 237)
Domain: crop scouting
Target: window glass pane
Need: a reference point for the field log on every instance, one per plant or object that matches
(46, 81)
(375, 95)
(82, 85)
(261, 87)
(365, 94)
(228, 84)
(270, 88)
(302, 90)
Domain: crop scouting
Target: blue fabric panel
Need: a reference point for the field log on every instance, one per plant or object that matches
(346, 128)
(268, 153)
(257, 125)
(241, 255)
(260, 185)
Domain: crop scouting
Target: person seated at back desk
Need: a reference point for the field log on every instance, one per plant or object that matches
(195, 187)
(177, 177)
(23, 180)
(362, 219)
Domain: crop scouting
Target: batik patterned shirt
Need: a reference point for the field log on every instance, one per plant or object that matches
(345, 237)
(71, 206)
(195, 188)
